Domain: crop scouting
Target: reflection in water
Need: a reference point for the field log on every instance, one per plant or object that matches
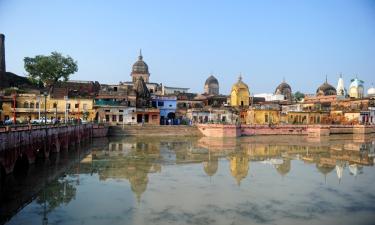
(239, 165)
(167, 180)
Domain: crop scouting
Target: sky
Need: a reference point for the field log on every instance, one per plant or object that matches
(183, 42)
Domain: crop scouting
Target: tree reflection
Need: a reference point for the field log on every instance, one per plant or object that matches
(56, 193)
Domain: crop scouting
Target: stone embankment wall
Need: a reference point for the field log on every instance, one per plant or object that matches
(248, 130)
(153, 130)
(99, 131)
(217, 130)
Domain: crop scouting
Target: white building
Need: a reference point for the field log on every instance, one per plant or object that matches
(269, 97)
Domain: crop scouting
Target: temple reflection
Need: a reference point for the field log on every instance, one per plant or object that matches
(133, 159)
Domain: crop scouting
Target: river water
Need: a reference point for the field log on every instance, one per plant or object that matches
(247, 180)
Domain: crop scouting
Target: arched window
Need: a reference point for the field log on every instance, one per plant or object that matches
(25, 105)
(31, 105)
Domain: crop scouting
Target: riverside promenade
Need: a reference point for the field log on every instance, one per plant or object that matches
(22, 145)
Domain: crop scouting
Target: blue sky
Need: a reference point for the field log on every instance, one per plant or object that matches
(184, 41)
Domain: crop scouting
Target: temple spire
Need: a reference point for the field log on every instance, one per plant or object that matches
(326, 79)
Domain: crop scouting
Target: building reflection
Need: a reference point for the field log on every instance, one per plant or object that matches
(239, 165)
(133, 159)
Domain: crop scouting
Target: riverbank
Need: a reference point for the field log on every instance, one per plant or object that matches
(221, 130)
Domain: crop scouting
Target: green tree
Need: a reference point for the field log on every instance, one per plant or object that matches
(299, 96)
(48, 70)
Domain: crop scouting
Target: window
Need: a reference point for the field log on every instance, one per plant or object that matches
(241, 103)
(55, 105)
(107, 110)
(31, 105)
(114, 118)
(107, 118)
(160, 104)
(120, 118)
(26, 105)
(68, 105)
(170, 106)
(115, 89)
(266, 118)
(37, 105)
(76, 105)
(121, 110)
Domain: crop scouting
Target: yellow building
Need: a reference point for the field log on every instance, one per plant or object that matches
(240, 94)
(308, 118)
(263, 116)
(30, 106)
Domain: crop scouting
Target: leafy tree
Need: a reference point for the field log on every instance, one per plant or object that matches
(48, 70)
(298, 96)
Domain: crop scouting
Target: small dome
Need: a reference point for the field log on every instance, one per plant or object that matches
(140, 67)
(356, 83)
(211, 80)
(240, 85)
(371, 91)
(284, 89)
(283, 86)
(326, 89)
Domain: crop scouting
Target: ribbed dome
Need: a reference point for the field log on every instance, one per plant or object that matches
(140, 67)
(283, 86)
(211, 80)
(326, 89)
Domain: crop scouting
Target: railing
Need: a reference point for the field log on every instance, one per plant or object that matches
(22, 127)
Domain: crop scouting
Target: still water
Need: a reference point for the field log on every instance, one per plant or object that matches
(247, 180)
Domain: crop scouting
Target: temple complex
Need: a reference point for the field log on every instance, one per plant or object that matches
(141, 101)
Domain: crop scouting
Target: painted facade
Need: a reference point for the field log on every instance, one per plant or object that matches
(240, 94)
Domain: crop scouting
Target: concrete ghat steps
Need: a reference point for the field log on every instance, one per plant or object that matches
(153, 130)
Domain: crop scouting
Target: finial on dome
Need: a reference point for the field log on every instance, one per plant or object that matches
(140, 57)
(240, 77)
(326, 79)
